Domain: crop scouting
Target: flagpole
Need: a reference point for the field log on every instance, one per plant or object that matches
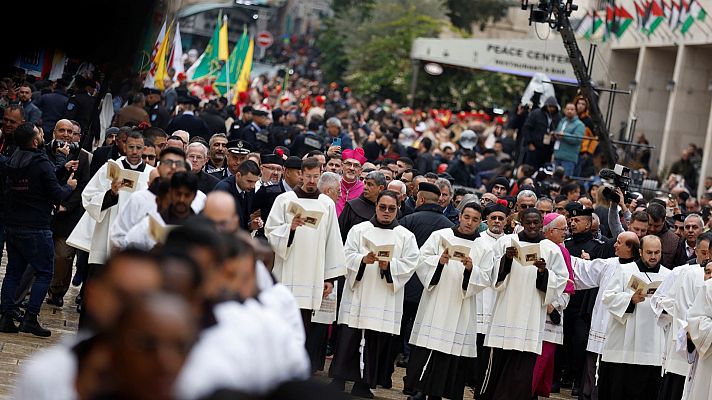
(227, 61)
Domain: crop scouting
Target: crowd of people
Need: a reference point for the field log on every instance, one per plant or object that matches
(230, 250)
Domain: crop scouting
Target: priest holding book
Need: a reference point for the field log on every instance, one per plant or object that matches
(445, 342)
(308, 249)
(630, 367)
(525, 284)
(381, 256)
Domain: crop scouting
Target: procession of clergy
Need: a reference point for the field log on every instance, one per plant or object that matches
(491, 311)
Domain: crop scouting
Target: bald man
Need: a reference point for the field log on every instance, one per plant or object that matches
(220, 208)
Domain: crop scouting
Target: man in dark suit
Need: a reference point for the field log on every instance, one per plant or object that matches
(242, 187)
(187, 121)
(113, 152)
(264, 198)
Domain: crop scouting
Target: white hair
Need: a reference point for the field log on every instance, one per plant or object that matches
(400, 186)
(198, 145)
(181, 135)
(702, 221)
(442, 183)
(525, 193)
(550, 225)
(328, 179)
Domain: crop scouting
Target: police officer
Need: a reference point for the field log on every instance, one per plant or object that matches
(257, 133)
(237, 151)
(157, 114)
(577, 315)
(264, 198)
(309, 140)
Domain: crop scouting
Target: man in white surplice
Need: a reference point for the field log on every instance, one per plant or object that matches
(372, 301)
(143, 202)
(590, 274)
(632, 352)
(306, 258)
(523, 293)
(445, 343)
(103, 200)
(670, 303)
(699, 328)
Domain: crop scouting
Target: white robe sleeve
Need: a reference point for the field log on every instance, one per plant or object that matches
(93, 194)
(334, 264)
(616, 298)
(558, 275)
(277, 228)
(699, 321)
(562, 302)
(588, 273)
(663, 299)
(481, 275)
(428, 262)
(126, 219)
(403, 267)
(138, 236)
(354, 255)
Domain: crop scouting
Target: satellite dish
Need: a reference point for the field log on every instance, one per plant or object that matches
(433, 69)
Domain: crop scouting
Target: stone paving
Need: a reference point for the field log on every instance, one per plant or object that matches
(15, 348)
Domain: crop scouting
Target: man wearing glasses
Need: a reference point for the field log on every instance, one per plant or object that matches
(149, 153)
(351, 185)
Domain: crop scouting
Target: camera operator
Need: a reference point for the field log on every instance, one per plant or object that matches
(614, 221)
(58, 150)
(32, 191)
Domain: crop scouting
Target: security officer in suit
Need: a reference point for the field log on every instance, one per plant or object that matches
(239, 123)
(577, 315)
(241, 186)
(264, 198)
(257, 132)
(157, 114)
(187, 121)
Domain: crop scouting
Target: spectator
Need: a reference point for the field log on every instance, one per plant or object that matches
(568, 142)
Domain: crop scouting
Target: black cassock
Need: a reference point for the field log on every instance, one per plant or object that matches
(377, 356)
(628, 381)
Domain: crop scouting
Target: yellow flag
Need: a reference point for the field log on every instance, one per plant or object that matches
(160, 61)
(222, 42)
(243, 81)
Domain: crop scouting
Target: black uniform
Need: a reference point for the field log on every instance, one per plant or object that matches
(158, 116)
(306, 142)
(577, 315)
(264, 200)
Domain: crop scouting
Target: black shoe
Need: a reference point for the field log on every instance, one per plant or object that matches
(7, 325)
(77, 280)
(417, 396)
(78, 299)
(17, 315)
(329, 350)
(362, 390)
(338, 384)
(406, 390)
(403, 362)
(31, 325)
(388, 384)
(55, 301)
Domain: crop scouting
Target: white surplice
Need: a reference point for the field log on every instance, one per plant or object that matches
(138, 236)
(315, 255)
(280, 300)
(140, 204)
(699, 326)
(446, 320)
(485, 299)
(372, 303)
(250, 349)
(632, 338)
(93, 228)
(519, 312)
(554, 333)
(590, 274)
(670, 307)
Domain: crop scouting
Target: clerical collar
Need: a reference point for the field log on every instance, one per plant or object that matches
(456, 231)
(644, 268)
(138, 167)
(523, 238)
(626, 260)
(188, 112)
(374, 222)
(493, 235)
(306, 195)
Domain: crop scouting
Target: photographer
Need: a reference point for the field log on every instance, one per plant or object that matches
(58, 150)
(32, 191)
(614, 221)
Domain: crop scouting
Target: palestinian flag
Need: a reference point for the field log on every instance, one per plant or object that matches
(585, 27)
(639, 15)
(624, 20)
(674, 20)
(611, 23)
(655, 16)
(694, 12)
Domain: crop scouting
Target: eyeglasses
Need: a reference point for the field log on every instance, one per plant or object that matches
(497, 218)
(150, 157)
(349, 164)
(524, 206)
(389, 209)
(173, 163)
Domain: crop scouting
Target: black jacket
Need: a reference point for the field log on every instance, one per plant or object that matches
(214, 121)
(355, 211)
(264, 200)
(424, 163)
(32, 189)
(159, 116)
(461, 173)
(582, 302)
(536, 125)
(53, 106)
(244, 207)
(426, 219)
(206, 182)
(189, 123)
(64, 222)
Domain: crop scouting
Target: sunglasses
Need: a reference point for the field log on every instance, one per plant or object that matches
(390, 209)
(150, 157)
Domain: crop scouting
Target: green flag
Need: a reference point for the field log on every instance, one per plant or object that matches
(237, 58)
(208, 64)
